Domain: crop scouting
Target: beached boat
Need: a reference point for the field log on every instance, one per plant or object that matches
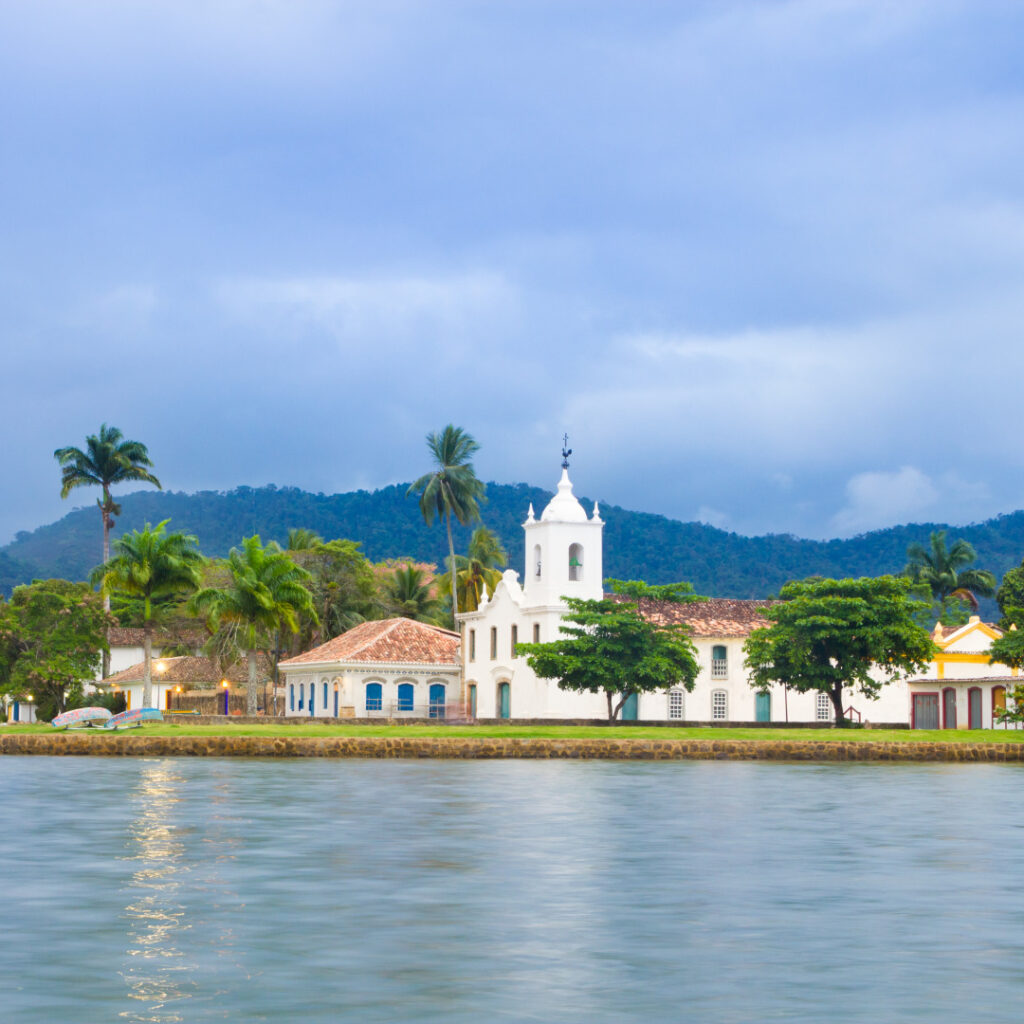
(86, 717)
(135, 718)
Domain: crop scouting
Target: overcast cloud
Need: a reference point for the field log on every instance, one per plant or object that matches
(762, 260)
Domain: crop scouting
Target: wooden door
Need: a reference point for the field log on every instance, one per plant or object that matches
(629, 709)
(974, 707)
(949, 708)
(763, 707)
(926, 711)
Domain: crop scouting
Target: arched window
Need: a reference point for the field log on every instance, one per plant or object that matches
(312, 696)
(719, 662)
(291, 696)
(302, 696)
(374, 697)
(336, 688)
(676, 703)
(405, 697)
(325, 694)
(823, 708)
(719, 706)
(437, 700)
(575, 562)
(536, 561)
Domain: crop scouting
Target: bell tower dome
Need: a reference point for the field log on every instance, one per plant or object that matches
(564, 555)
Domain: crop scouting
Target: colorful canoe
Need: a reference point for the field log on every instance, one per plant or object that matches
(134, 717)
(81, 716)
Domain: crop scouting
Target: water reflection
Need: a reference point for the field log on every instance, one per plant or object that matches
(156, 970)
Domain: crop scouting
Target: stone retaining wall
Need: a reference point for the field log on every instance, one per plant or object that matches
(483, 747)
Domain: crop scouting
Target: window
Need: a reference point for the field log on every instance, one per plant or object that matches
(437, 700)
(312, 694)
(536, 560)
(494, 642)
(719, 706)
(291, 697)
(515, 639)
(719, 662)
(374, 697)
(325, 694)
(405, 696)
(536, 632)
(823, 708)
(676, 703)
(472, 645)
(302, 691)
(575, 562)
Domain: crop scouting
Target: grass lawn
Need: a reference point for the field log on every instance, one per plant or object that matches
(563, 732)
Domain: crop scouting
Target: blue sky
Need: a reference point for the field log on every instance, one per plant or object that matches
(763, 261)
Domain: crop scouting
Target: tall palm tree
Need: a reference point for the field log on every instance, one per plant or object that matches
(264, 592)
(108, 459)
(451, 488)
(944, 570)
(301, 538)
(149, 564)
(408, 594)
(478, 569)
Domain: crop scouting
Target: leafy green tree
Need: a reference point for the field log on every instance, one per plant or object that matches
(108, 459)
(945, 570)
(300, 538)
(479, 569)
(149, 565)
(451, 489)
(830, 635)
(637, 590)
(52, 633)
(1010, 595)
(608, 646)
(264, 592)
(409, 595)
(341, 584)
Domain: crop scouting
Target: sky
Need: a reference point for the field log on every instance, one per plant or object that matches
(763, 261)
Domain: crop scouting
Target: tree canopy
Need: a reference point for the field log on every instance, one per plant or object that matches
(608, 646)
(52, 633)
(264, 592)
(830, 635)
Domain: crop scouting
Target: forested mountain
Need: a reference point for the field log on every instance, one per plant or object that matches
(637, 545)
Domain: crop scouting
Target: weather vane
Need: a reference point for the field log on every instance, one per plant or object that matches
(566, 451)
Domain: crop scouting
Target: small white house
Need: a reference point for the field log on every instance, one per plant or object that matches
(391, 668)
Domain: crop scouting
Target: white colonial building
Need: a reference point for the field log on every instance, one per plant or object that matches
(564, 558)
(391, 668)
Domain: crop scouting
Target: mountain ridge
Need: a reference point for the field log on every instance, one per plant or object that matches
(637, 544)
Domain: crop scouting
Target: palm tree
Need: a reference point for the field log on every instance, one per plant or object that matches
(452, 488)
(480, 568)
(943, 570)
(150, 564)
(263, 593)
(108, 459)
(408, 595)
(301, 538)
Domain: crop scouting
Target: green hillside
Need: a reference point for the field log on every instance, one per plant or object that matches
(637, 545)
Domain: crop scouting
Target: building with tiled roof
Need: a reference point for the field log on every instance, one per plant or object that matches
(179, 675)
(391, 668)
(127, 644)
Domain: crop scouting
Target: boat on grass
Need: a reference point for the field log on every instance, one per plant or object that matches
(134, 718)
(86, 718)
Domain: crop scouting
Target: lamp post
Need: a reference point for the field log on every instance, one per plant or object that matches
(30, 698)
(227, 693)
(161, 668)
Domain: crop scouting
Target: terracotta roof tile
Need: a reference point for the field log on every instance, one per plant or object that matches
(403, 641)
(712, 617)
(134, 636)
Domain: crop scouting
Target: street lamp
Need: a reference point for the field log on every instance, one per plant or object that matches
(227, 692)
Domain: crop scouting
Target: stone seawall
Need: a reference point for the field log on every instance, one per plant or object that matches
(469, 747)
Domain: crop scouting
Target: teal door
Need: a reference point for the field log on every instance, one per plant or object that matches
(504, 700)
(629, 708)
(472, 700)
(763, 707)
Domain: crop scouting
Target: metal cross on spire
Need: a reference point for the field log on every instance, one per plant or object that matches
(566, 451)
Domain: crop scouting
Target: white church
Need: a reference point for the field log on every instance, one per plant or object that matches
(564, 557)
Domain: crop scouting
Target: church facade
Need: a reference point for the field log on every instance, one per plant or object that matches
(564, 558)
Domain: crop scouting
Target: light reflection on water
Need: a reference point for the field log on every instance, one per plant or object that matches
(169, 890)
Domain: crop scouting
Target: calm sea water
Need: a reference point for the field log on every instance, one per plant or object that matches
(366, 891)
